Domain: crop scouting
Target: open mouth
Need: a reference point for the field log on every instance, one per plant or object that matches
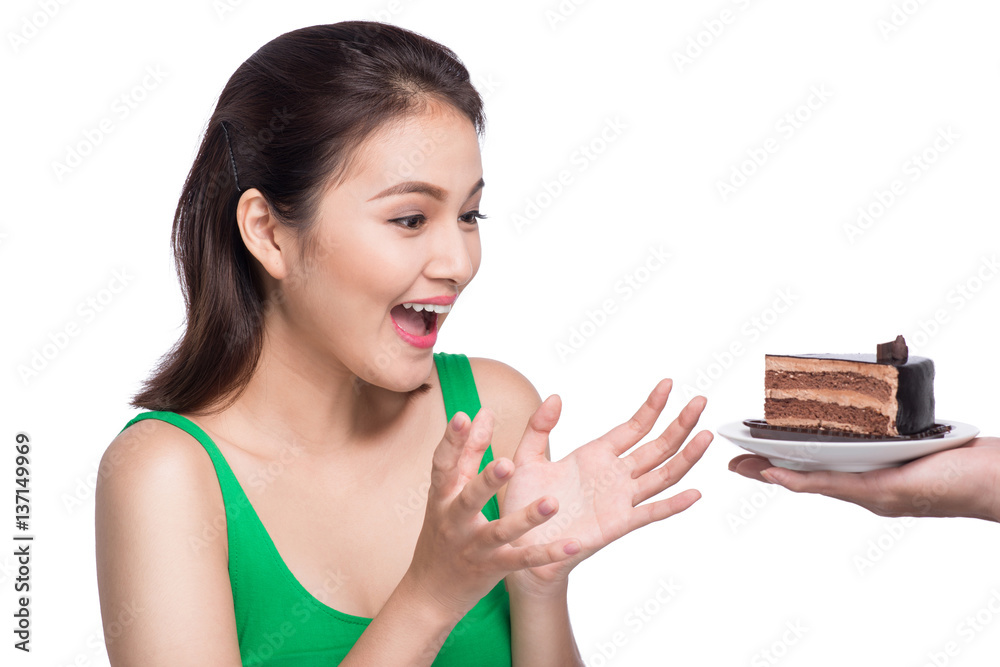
(418, 319)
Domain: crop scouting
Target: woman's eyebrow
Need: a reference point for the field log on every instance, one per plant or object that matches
(424, 188)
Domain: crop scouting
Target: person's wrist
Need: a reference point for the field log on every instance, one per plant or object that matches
(527, 584)
(992, 497)
(982, 489)
(992, 493)
(430, 601)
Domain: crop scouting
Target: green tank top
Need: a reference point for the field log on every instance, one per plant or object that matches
(280, 623)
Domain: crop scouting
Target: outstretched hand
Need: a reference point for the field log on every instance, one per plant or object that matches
(460, 555)
(598, 490)
(956, 482)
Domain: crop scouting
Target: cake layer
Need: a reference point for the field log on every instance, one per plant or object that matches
(845, 398)
(859, 364)
(817, 414)
(856, 383)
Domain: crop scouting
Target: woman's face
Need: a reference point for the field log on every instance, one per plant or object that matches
(401, 228)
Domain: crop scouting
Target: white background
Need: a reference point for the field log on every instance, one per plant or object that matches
(746, 564)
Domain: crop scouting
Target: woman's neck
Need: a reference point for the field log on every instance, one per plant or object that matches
(319, 403)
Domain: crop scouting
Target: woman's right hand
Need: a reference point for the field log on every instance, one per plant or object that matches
(460, 555)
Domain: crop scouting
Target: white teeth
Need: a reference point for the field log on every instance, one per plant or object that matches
(420, 307)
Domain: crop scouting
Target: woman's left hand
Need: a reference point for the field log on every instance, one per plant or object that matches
(599, 491)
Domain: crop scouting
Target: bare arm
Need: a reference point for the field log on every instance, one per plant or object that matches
(408, 631)
(540, 629)
(161, 552)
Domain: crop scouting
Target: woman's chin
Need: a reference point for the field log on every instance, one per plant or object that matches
(402, 374)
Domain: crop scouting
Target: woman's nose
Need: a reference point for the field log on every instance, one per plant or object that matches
(451, 254)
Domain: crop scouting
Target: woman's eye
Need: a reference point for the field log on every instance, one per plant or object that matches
(472, 217)
(409, 222)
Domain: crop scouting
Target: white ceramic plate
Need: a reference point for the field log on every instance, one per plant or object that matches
(806, 453)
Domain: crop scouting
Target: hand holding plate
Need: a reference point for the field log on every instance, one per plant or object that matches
(955, 482)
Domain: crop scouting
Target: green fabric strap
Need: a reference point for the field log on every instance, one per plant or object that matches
(459, 389)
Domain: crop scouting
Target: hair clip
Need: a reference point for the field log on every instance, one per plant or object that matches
(232, 158)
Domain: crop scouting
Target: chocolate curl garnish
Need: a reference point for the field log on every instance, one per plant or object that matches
(895, 352)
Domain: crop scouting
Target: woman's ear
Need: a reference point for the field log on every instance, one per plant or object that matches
(264, 235)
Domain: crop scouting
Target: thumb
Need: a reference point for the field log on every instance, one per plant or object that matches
(535, 439)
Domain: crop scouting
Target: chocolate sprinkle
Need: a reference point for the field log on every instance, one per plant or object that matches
(894, 352)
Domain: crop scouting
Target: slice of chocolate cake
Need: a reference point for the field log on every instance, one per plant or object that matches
(885, 394)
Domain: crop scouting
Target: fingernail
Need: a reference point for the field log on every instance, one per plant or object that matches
(503, 469)
(457, 422)
(546, 507)
(572, 548)
(770, 476)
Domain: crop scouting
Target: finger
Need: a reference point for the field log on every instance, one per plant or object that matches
(482, 487)
(536, 555)
(861, 488)
(480, 435)
(853, 487)
(661, 509)
(535, 439)
(750, 465)
(734, 464)
(508, 528)
(754, 467)
(659, 479)
(624, 436)
(654, 453)
(444, 464)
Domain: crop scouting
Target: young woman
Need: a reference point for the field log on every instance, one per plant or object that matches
(312, 484)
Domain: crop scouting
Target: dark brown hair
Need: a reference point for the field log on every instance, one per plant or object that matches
(294, 112)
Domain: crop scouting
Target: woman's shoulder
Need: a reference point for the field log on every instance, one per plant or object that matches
(153, 461)
(496, 376)
(511, 397)
(153, 447)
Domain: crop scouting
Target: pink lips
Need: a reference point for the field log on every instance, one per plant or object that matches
(436, 300)
(424, 341)
(427, 340)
